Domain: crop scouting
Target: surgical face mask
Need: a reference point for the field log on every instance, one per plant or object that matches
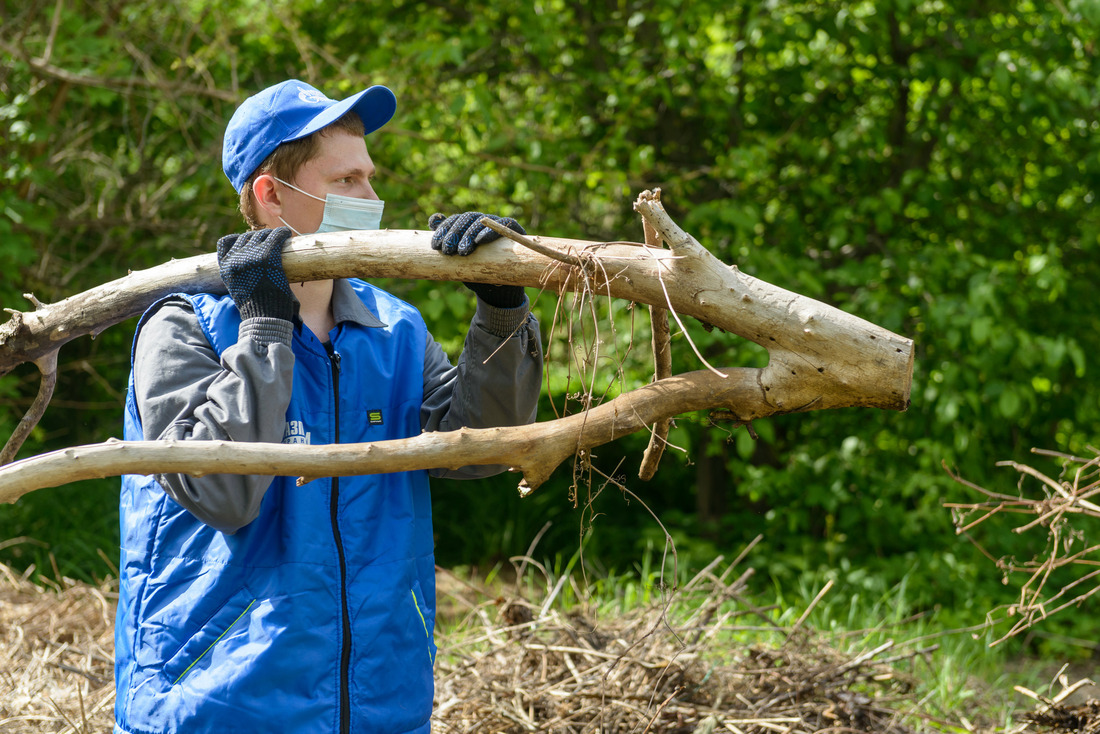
(343, 213)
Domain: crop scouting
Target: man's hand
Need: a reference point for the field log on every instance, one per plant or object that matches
(251, 266)
(461, 234)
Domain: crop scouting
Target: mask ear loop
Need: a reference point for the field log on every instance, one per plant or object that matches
(289, 227)
(290, 185)
(284, 183)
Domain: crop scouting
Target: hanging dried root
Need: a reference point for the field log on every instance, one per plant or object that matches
(594, 273)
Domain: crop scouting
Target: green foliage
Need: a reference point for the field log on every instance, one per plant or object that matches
(926, 165)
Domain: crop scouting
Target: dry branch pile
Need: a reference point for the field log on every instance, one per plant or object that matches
(514, 666)
(56, 656)
(672, 666)
(1080, 719)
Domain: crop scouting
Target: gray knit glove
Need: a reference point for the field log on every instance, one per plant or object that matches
(461, 234)
(251, 266)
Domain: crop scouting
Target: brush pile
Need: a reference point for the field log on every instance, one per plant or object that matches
(699, 661)
(1073, 711)
(1082, 718)
(56, 656)
(676, 665)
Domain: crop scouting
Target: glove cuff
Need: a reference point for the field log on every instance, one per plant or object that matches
(270, 305)
(501, 296)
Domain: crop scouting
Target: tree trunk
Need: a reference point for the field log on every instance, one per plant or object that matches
(712, 484)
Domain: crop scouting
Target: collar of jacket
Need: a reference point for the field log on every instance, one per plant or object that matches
(347, 306)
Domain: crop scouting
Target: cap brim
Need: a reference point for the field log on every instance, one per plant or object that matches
(374, 105)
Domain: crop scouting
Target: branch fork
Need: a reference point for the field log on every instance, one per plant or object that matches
(820, 357)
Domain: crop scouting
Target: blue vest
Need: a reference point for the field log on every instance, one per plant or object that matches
(318, 615)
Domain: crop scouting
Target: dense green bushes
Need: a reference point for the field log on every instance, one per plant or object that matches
(929, 166)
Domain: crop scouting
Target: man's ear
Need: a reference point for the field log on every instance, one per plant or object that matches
(267, 198)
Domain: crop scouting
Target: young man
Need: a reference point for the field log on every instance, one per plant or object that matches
(247, 603)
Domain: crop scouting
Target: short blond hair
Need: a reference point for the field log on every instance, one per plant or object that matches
(285, 161)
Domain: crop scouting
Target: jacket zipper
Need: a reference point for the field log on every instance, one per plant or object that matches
(334, 501)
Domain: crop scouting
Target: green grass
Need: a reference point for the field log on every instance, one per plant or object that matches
(70, 531)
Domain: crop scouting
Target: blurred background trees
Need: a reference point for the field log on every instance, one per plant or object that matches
(930, 166)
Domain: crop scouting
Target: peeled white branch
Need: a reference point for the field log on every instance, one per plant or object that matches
(535, 450)
(820, 357)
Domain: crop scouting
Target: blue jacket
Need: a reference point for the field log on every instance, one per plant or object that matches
(317, 616)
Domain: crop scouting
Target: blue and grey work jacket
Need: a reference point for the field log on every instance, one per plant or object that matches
(316, 614)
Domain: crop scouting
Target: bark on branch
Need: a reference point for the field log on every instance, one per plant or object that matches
(820, 357)
(535, 450)
(662, 366)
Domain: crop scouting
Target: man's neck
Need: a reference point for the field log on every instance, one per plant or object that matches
(316, 311)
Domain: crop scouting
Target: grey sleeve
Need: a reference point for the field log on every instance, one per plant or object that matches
(496, 382)
(184, 392)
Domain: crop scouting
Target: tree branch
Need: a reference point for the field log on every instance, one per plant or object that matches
(47, 366)
(820, 357)
(535, 450)
(662, 366)
(42, 67)
(838, 358)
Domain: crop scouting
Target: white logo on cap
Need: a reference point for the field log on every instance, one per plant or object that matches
(312, 96)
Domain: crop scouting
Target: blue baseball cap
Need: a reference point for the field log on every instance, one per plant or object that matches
(289, 111)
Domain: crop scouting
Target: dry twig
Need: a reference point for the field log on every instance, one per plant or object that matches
(501, 668)
(1061, 513)
(573, 671)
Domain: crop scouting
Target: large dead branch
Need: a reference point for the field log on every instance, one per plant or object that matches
(820, 357)
(534, 450)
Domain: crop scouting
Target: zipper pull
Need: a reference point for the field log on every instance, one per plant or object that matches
(333, 355)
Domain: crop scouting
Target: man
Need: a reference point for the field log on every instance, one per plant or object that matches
(247, 603)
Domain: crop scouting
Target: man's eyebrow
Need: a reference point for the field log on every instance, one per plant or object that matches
(357, 172)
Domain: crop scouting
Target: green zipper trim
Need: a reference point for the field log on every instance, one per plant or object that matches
(425, 623)
(223, 634)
